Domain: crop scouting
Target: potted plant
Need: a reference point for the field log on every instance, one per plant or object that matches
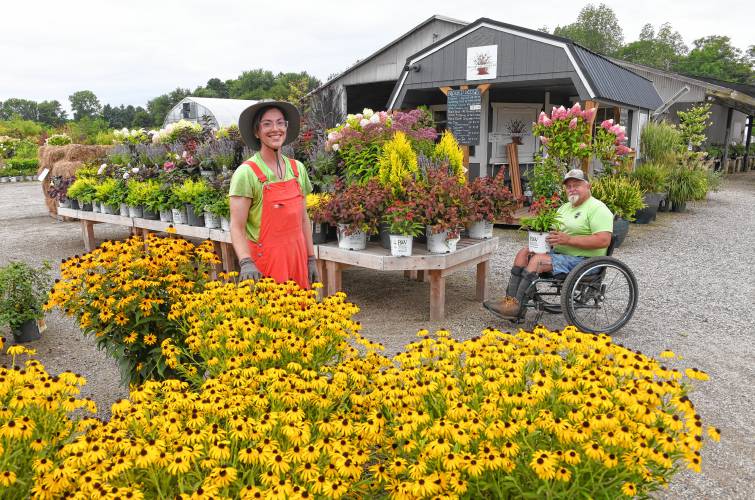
(482, 61)
(651, 177)
(315, 204)
(110, 193)
(23, 292)
(491, 201)
(623, 197)
(58, 190)
(404, 222)
(136, 195)
(544, 219)
(83, 190)
(211, 219)
(221, 209)
(446, 203)
(193, 195)
(153, 199)
(355, 211)
(516, 129)
(686, 184)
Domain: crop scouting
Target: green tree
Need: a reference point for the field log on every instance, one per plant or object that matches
(51, 113)
(714, 56)
(253, 84)
(661, 50)
(692, 125)
(85, 130)
(22, 108)
(159, 106)
(141, 119)
(596, 28)
(84, 104)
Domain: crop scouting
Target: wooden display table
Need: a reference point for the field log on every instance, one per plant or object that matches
(222, 239)
(332, 260)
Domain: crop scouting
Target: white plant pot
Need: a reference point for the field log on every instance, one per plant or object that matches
(482, 230)
(166, 216)
(135, 212)
(12, 179)
(211, 221)
(401, 245)
(95, 206)
(354, 241)
(3, 180)
(537, 243)
(106, 209)
(440, 243)
(64, 204)
(225, 224)
(123, 210)
(179, 216)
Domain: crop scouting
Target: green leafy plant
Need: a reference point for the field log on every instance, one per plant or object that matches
(154, 196)
(621, 195)
(58, 140)
(193, 192)
(650, 177)
(137, 192)
(545, 177)
(83, 189)
(692, 125)
(111, 192)
(545, 215)
(220, 206)
(23, 292)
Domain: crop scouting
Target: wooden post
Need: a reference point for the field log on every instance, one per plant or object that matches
(87, 234)
(437, 295)
(727, 136)
(514, 173)
(483, 269)
(748, 140)
(334, 276)
(586, 161)
(465, 150)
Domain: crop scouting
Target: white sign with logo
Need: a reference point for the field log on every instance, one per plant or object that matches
(482, 62)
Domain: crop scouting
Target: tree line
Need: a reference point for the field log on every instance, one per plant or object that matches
(598, 29)
(254, 84)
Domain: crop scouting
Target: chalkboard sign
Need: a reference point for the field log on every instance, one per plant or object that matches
(464, 109)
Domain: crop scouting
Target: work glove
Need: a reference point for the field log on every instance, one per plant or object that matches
(249, 270)
(312, 269)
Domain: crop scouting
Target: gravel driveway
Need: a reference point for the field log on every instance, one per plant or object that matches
(696, 298)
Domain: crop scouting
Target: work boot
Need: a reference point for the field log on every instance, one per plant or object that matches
(514, 307)
(516, 276)
(506, 308)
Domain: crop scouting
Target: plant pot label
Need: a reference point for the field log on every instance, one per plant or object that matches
(41, 325)
(537, 243)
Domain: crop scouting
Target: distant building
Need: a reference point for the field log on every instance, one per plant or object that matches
(219, 112)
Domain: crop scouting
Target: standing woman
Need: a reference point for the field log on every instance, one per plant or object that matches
(270, 229)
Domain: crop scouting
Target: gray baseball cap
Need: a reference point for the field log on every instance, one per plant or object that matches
(575, 173)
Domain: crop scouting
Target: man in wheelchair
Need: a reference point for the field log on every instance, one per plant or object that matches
(587, 227)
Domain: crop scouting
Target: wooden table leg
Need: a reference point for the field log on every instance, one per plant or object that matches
(437, 295)
(323, 272)
(483, 269)
(226, 255)
(87, 234)
(334, 276)
(420, 275)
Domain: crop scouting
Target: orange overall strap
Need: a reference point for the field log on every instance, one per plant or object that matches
(257, 171)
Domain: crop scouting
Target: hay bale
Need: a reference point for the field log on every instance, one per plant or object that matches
(80, 152)
(48, 155)
(66, 168)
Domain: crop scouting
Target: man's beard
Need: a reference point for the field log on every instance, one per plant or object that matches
(573, 199)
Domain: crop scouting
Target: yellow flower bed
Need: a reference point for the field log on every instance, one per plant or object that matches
(284, 398)
(121, 293)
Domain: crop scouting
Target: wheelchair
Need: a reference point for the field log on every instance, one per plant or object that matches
(598, 296)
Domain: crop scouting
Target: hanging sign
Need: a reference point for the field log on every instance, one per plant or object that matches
(482, 62)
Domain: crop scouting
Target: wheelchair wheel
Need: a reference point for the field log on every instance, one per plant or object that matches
(599, 295)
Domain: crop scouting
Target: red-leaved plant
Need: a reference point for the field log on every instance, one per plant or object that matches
(404, 218)
(491, 200)
(358, 207)
(446, 202)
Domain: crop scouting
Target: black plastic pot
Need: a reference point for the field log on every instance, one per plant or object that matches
(647, 215)
(194, 218)
(620, 230)
(28, 332)
(75, 204)
(86, 207)
(146, 214)
(385, 235)
(320, 233)
(679, 207)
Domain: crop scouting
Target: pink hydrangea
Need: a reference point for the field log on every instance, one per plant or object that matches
(573, 123)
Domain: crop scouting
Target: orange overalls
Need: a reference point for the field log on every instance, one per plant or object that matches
(281, 252)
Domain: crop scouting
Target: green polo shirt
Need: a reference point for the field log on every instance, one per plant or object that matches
(245, 183)
(591, 217)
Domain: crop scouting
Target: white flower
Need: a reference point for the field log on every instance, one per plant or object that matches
(331, 136)
(125, 176)
(375, 119)
(367, 112)
(363, 122)
(101, 169)
(335, 147)
(135, 170)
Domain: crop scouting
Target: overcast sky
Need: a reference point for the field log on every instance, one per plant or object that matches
(128, 52)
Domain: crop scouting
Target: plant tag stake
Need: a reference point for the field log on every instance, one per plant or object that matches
(43, 174)
(41, 325)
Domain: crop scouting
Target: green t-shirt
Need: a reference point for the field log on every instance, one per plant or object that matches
(245, 183)
(591, 217)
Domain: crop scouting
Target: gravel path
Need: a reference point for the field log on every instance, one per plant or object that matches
(695, 298)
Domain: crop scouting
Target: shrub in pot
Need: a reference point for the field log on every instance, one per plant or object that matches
(356, 209)
(405, 221)
(221, 209)
(83, 189)
(58, 189)
(23, 293)
(544, 218)
(651, 177)
(686, 184)
(623, 198)
(110, 194)
(446, 204)
(315, 204)
(153, 199)
(136, 195)
(491, 201)
(193, 193)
